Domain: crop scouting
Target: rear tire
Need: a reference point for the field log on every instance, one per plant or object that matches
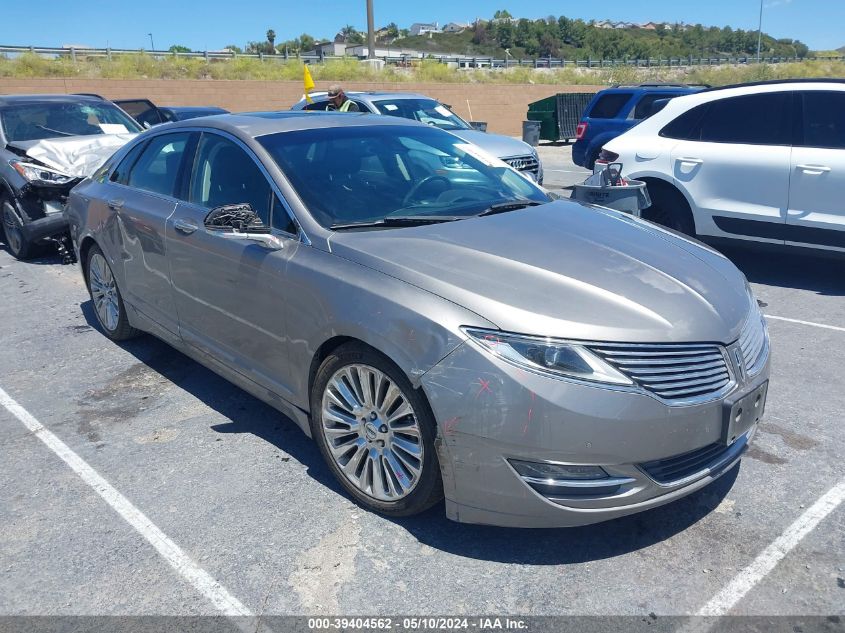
(108, 303)
(13, 233)
(375, 431)
(669, 208)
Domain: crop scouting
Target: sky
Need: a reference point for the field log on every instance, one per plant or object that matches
(213, 24)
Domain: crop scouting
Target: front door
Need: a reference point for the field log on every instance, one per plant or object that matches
(230, 293)
(817, 189)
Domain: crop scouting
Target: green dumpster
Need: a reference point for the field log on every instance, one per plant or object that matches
(559, 114)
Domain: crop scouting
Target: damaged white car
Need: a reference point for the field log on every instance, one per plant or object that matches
(49, 143)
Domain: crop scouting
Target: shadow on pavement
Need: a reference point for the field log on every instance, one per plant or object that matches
(247, 414)
(783, 269)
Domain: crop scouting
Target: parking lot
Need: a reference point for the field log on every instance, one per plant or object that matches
(251, 509)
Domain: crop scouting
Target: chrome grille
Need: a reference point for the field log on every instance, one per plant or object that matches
(675, 373)
(524, 163)
(754, 345)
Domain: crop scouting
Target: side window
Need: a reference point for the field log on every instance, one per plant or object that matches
(824, 119)
(317, 105)
(225, 174)
(686, 127)
(761, 119)
(121, 174)
(609, 105)
(644, 107)
(280, 218)
(157, 169)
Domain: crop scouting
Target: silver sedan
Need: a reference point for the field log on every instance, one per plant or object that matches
(436, 322)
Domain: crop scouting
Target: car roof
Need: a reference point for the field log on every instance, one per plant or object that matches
(193, 109)
(255, 124)
(48, 98)
(377, 94)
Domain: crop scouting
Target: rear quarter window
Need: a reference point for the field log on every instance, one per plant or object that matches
(608, 106)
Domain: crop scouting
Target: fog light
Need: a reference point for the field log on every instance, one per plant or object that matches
(539, 470)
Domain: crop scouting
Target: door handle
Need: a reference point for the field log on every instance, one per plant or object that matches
(115, 204)
(692, 161)
(814, 169)
(183, 226)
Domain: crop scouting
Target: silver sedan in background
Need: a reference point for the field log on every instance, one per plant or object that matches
(429, 316)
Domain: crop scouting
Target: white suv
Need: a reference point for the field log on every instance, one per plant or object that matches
(762, 162)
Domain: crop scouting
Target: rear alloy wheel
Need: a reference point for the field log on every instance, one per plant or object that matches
(108, 304)
(13, 232)
(669, 208)
(375, 432)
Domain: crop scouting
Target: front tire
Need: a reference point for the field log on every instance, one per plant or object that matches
(375, 431)
(13, 233)
(108, 303)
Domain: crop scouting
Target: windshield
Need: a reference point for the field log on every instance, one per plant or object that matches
(35, 121)
(423, 110)
(371, 173)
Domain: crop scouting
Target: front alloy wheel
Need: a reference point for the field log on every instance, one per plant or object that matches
(16, 241)
(375, 431)
(372, 432)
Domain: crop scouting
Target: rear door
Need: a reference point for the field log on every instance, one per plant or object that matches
(732, 160)
(146, 189)
(817, 185)
(230, 294)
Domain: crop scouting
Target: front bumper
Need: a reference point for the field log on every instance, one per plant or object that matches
(51, 225)
(490, 411)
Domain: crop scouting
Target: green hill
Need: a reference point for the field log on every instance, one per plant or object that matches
(568, 38)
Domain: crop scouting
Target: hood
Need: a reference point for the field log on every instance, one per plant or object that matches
(495, 144)
(77, 156)
(566, 270)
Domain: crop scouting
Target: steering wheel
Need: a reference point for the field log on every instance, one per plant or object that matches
(425, 181)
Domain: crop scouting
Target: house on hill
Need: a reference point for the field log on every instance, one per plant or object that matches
(455, 27)
(425, 28)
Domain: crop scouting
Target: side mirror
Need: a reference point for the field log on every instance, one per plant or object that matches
(234, 217)
(240, 222)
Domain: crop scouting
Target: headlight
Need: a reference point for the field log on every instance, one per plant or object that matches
(548, 356)
(39, 174)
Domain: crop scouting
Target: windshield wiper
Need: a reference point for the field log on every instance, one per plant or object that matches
(399, 220)
(504, 207)
(49, 129)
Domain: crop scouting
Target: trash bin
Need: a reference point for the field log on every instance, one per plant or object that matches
(559, 114)
(531, 132)
(607, 189)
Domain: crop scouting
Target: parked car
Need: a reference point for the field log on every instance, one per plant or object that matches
(616, 110)
(149, 114)
(429, 316)
(519, 155)
(760, 162)
(48, 143)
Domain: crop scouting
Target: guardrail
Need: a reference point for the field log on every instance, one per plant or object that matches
(466, 61)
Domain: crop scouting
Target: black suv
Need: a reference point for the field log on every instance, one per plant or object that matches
(49, 143)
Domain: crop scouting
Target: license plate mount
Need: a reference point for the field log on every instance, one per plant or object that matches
(740, 415)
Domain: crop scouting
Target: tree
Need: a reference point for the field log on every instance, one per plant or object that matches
(348, 32)
(404, 32)
(392, 30)
(178, 48)
(502, 14)
(271, 38)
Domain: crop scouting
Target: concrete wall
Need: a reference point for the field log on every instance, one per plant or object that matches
(503, 106)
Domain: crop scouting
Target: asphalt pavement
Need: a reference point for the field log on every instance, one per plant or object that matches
(245, 497)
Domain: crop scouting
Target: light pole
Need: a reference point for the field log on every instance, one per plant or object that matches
(152, 44)
(760, 32)
(371, 34)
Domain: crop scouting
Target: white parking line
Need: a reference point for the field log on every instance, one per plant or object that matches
(766, 561)
(810, 323)
(200, 579)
